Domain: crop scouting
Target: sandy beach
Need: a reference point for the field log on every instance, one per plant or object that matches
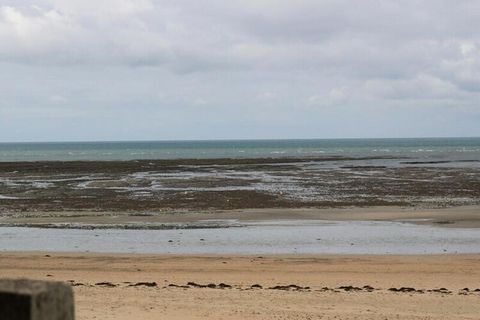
(230, 239)
(125, 287)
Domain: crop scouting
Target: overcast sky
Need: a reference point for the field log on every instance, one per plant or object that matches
(193, 69)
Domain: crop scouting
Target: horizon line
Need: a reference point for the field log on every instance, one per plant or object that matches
(237, 139)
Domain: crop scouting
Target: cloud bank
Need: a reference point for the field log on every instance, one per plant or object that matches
(184, 69)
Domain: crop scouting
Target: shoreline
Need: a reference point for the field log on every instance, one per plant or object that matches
(256, 234)
(121, 287)
(453, 217)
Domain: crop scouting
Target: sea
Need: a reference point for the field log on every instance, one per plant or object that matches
(421, 149)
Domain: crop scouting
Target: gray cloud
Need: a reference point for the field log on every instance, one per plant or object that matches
(258, 67)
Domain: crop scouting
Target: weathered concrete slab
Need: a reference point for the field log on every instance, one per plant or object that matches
(23, 299)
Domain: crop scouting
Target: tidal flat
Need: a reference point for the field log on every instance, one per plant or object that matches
(166, 186)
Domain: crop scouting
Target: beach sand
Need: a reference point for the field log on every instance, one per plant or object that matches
(458, 217)
(324, 275)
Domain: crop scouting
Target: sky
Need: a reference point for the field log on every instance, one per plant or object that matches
(82, 70)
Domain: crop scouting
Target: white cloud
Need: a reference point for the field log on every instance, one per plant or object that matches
(105, 10)
(420, 87)
(464, 70)
(57, 98)
(365, 39)
(272, 58)
(331, 98)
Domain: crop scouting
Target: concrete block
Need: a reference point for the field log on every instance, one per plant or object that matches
(23, 299)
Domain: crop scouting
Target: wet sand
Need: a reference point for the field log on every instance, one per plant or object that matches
(260, 237)
(458, 217)
(125, 287)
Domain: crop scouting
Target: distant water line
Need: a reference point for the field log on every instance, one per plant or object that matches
(415, 148)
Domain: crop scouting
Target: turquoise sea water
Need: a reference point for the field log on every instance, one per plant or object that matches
(448, 149)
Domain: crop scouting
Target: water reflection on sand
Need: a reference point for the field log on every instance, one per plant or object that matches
(267, 237)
